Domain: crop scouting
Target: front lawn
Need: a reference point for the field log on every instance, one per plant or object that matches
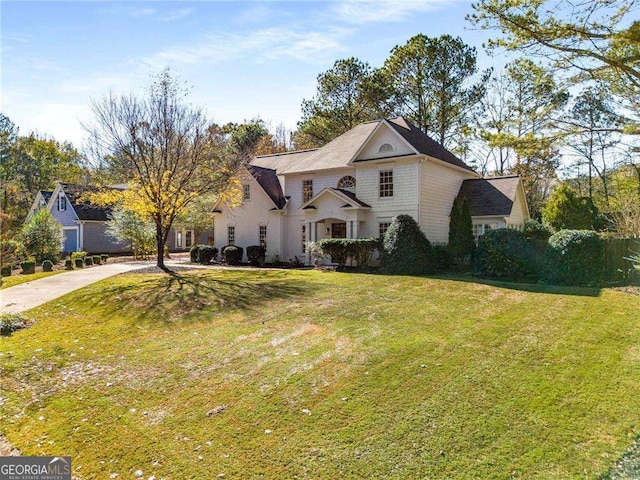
(306, 374)
(17, 279)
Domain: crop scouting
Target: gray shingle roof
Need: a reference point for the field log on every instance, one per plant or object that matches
(281, 161)
(46, 195)
(424, 144)
(341, 150)
(338, 152)
(490, 196)
(268, 180)
(83, 208)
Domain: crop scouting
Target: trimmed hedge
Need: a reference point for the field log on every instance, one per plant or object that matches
(88, 261)
(504, 253)
(104, 257)
(206, 254)
(575, 257)
(442, 258)
(79, 262)
(96, 260)
(340, 250)
(68, 264)
(256, 255)
(47, 266)
(6, 271)
(534, 230)
(194, 253)
(28, 267)
(406, 249)
(232, 255)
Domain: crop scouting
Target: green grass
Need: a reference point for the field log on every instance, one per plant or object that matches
(355, 376)
(14, 280)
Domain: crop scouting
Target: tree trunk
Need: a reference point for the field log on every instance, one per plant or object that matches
(161, 239)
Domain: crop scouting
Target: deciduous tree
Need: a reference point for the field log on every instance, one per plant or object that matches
(162, 145)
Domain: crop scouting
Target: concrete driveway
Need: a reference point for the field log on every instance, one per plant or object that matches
(33, 294)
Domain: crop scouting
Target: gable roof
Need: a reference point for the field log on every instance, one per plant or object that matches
(425, 144)
(341, 151)
(46, 195)
(84, 209)
(344, 195)
(267, 179)
(492, 196)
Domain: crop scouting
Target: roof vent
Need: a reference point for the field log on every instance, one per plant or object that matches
(385, 147)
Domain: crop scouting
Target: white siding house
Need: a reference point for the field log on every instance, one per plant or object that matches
(353, 186)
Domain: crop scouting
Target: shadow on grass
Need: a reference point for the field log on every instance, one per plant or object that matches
(178, 296)
(524, 287)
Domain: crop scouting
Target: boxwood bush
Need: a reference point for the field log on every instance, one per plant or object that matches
(104, 257)
(47, 266)
(68, 264)
(504, 253)
(406, 250)
(96, 260)
(575, 257)
(256, 255)
(206, 253)
(232, 255)
(79, 262)
(88, 261)
(28, 266)
(194, 251)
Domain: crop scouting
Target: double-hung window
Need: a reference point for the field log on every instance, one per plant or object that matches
(307, 190)
(262, 236)
(386, 183)
(231, 235)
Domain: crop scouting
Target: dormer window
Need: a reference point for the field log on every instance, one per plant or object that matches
(347, 183)
(385, 147)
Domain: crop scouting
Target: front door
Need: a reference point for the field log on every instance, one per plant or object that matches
(338, 230)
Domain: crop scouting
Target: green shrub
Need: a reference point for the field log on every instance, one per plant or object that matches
(88, 261)
(10, 323)
(340, 250)
(42, 236)
(104, 257)
(194, 253)
(295, 262)
(12, 252)
(362, 250)
(504, 253)
(79, 262)
(461, 242)
(575, 257)
(442, 259)
(96, 259)
(68, 264)
(206, 254)
(534, 230)
(47, 266)
(256, 255)
(81, 255)
(406, 250)
(232, 255)
(6, 271)
(28, 267)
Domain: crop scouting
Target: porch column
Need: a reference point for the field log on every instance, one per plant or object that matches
(350, 229)
(354, 229)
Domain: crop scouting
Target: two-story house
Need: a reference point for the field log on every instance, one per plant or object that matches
(353, 186)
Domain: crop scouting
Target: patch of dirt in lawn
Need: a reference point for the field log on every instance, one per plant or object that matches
(6, 449)
(633, 290)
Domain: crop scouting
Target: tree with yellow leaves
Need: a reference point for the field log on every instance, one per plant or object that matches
(161, 145)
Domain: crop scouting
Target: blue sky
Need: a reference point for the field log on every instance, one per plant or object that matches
(242, 59)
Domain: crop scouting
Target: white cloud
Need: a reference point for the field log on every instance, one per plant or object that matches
(260, 45)
(375, 11)
(178, 14)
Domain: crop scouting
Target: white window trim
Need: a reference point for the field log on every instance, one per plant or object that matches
(388, 169)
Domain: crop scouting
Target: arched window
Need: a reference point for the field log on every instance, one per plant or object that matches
(347, 182)
(385, 147)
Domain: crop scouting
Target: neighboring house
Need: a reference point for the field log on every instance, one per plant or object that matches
(84, 223)
(353, 186)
